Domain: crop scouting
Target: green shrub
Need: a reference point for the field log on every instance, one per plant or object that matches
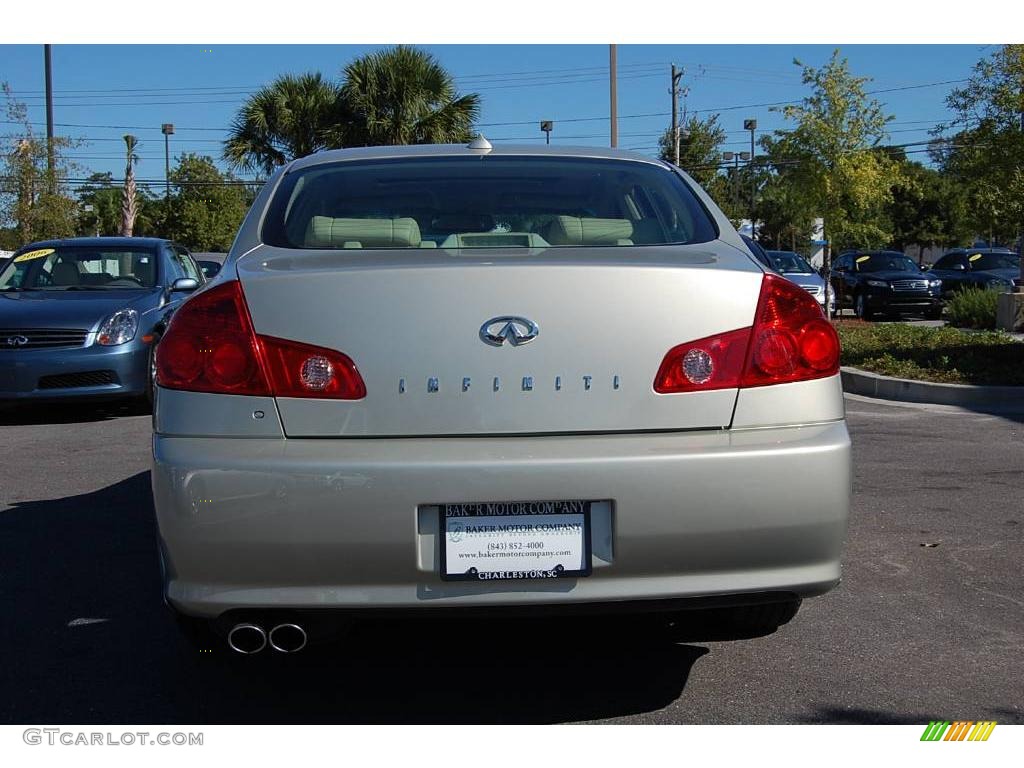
(974, 308)
(932, 354)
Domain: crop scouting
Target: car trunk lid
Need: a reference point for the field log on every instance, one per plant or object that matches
(414, 324)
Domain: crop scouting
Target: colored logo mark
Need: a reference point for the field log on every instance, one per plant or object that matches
(959, 730)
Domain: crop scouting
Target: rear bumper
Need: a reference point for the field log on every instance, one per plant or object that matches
(125, 367)
(348, 524)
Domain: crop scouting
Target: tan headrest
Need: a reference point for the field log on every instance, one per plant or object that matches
(570, 230)
(325, 232)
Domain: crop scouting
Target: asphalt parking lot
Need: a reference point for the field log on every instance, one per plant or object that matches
(928, 623)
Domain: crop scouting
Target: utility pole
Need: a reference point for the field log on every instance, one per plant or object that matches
(677, 75)
(48, 69)
(751, 125)
(613, 93)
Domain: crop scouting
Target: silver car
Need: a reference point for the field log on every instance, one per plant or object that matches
(794, 267)
(462, 378)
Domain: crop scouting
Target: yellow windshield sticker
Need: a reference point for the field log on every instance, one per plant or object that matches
(863, 258)
(974, 257)
(29, 255)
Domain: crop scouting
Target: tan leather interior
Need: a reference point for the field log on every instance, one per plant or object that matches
(327, 232)
(571, 230)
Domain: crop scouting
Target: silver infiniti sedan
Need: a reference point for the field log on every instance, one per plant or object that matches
(449, 379)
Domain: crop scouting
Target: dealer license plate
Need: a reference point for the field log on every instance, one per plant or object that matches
(486, 541)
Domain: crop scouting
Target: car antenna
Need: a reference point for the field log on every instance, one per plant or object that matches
(480, 143)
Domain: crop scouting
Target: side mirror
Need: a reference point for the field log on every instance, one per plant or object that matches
(184, 285)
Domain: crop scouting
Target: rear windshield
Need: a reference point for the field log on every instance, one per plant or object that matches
(80, 268)
(481, 202)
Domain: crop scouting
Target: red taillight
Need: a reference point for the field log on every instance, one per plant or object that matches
(211, 346)
(790, 341)
(302, 370)
(712, 363)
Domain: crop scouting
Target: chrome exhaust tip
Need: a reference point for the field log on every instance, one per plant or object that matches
(288, 638)
(247, 638)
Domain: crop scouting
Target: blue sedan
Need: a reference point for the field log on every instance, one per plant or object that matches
(80, 317)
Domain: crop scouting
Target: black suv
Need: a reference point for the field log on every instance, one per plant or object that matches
(977, 267)
(886, 282)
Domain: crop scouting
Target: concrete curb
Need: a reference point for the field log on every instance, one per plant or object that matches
(858, 382)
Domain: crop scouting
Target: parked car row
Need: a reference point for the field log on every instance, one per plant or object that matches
(873, 283)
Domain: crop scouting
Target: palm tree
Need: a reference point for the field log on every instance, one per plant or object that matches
(129, 196)
(404, 96)
(294, 116)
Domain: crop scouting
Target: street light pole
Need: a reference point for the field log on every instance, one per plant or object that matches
(167, 129)
(736, 157)
(547, 126)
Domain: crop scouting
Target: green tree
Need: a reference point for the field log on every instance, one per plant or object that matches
(700, 148)
(927, 209)
(208, 207)
(785, 216)
(404, 96)
(34, 202)
(294, 116)
(829, 156)
(986, 155)
(105, 196)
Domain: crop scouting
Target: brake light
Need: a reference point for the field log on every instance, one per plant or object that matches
(302, 370)
(712, 363)
(790, 341)
(211, 346)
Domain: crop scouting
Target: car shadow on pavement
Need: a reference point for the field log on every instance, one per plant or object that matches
(87, 639)
(33, 414)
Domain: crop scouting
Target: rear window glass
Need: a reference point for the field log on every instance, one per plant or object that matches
(481, 202)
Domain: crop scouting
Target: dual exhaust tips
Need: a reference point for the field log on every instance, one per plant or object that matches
(248, 639)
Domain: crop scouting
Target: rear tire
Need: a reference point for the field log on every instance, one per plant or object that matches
(739, 623)
(151, 372)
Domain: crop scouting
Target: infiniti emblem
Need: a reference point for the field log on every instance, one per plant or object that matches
(16, 341)
(514, 330)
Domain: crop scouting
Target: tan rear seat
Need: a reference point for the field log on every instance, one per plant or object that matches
(571, 230)
(326, 232)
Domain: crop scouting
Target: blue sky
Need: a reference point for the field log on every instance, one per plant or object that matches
(136, 88)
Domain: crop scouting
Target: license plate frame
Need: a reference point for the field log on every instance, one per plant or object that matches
(485, 511)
